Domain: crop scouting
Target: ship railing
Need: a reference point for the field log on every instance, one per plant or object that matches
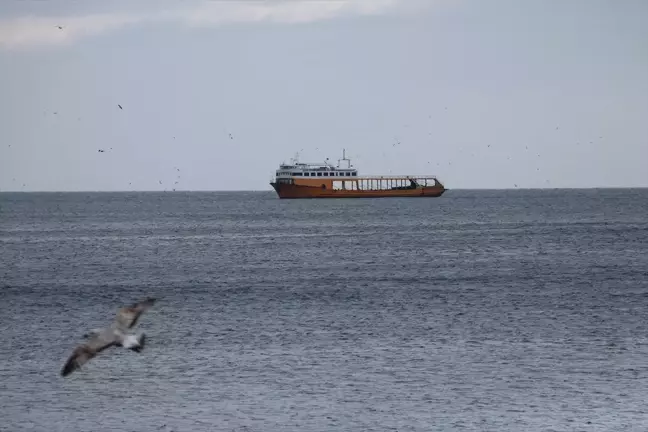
(381, 183)
(397, 176)
(318, 166)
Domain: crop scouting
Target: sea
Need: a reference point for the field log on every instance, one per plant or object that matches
(481, 310)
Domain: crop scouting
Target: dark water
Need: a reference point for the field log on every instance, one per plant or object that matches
(477, 311)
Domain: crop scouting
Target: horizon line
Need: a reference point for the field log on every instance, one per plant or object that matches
(273, 192)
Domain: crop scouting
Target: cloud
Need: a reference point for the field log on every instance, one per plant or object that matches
(27, 31)
(283, 12)
(36, 31)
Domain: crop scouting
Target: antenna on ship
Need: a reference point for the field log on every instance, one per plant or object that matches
(344, 158)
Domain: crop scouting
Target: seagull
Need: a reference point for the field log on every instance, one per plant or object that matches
(116, 335)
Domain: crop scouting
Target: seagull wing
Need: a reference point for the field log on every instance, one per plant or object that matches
(127, 316)
(84, 352)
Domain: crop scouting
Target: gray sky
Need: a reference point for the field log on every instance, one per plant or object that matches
(557, 89)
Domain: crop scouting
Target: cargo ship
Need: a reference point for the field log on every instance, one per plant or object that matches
(313, 180)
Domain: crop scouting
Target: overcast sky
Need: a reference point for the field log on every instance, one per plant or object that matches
(484, 94)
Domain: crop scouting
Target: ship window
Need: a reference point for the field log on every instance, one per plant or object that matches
(348, 174)
(319, 174)
(296, 174)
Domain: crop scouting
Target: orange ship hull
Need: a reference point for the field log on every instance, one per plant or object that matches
(293, 191)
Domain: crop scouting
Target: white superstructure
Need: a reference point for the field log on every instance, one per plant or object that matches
(307, 170)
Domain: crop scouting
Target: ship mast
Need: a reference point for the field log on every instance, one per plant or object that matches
(344, 158)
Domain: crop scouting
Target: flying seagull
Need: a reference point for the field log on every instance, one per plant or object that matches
(116, 335)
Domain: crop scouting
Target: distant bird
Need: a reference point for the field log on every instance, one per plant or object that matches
(231, 137)
(59, 27)
(116, 335)
(120, 107)
(101, 151)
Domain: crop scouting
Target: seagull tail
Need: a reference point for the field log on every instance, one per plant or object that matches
(141, 341)
(136, 343)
